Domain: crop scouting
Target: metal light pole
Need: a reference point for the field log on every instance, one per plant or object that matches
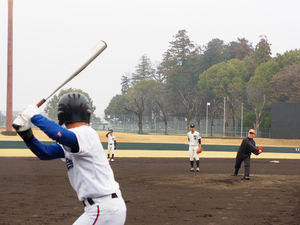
(224, 119)
(9, 98)
(207, 104)
(242, 121)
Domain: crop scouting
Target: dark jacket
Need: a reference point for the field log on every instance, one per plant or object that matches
(247, 146)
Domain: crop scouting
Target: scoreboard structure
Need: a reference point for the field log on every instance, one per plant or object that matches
(285, 120)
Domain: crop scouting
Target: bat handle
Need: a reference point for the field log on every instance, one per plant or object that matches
(41, 103)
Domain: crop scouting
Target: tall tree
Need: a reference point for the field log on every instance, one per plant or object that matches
(261, 87)
(198, 109)
(182, 75)
(136, 100)
(288, 58)
(216, 111)
(226, 79)
(116, 107)
(163, 102)
(160, 74)
(214, 53)
(285, 84)
(166, 64)
(262, 52)
(180, 49)
(144, 70)
(239, 49)
(258, 88)
(125, 83)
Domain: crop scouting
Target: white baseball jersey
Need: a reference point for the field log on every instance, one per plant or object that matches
(89, 172)
(111, 139)
(193, 138)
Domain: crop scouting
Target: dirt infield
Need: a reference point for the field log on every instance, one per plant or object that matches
(157, 191)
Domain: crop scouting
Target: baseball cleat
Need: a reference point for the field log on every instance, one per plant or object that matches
(198, 170)
(192, 169)
(112, 160)
(108, 159)
(246, 177)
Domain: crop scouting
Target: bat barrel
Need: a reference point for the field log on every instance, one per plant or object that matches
(81, 65)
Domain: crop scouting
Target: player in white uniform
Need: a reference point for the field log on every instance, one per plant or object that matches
(79, 146)
(194, 143)
(111, 145)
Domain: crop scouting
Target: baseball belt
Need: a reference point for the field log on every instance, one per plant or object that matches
(91, 201)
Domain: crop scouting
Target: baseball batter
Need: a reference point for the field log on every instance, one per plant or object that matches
(79, 146)
(194, 139)
(111, 145)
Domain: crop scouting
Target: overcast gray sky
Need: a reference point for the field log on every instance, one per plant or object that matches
(50, 36)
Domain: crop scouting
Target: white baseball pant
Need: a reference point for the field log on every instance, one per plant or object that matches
(105, 211)
(110, 148)
(192, 152)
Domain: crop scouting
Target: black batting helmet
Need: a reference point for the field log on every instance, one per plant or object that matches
(73, 107)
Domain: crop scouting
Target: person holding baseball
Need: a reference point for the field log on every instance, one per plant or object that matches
(194, 139)
(111, 145)
(80, 148)
(243, 155)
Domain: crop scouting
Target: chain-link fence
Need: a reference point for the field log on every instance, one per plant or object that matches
(178, 126)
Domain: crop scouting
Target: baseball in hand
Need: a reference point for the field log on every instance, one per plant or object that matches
(261, 149)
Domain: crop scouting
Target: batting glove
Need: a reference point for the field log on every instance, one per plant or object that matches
(22, 125)
(30, 111)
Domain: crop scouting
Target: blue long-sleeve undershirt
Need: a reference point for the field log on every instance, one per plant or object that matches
(45, 152)
(55, 132)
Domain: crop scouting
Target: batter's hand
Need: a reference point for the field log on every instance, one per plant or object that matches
(21, 123)
(30, 111)
(199, 150)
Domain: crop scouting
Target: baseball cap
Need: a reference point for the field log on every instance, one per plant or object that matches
(252, 131)
(192, 125)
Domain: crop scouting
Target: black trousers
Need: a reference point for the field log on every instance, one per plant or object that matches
(238, 162)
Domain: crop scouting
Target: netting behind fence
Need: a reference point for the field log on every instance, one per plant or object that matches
(176, 126)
